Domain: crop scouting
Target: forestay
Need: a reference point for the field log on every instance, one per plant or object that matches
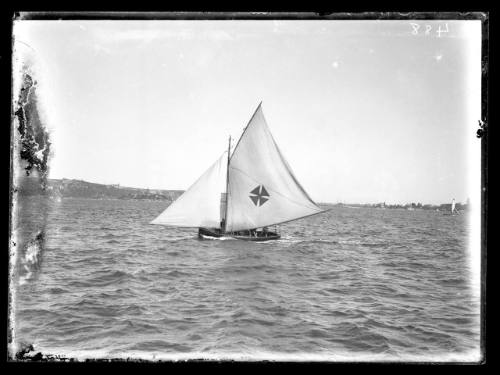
(262, 189)
(199, 206)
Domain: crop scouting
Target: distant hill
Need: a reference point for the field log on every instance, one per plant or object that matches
(30, 186)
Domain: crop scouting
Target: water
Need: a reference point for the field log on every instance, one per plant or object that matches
(350, 284)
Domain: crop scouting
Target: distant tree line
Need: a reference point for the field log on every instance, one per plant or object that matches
(68, 188)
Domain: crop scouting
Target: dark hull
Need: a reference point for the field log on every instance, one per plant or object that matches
(217, 233)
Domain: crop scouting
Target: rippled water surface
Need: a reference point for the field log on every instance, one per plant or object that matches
(391, 284)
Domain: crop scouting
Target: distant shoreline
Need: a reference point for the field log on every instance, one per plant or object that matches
(72, 188)
(69, 188)
(356, 206)
(409, 206)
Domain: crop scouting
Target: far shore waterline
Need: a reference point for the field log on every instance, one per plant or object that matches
(148, 190)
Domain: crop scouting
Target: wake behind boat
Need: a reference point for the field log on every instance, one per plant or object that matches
(244, 195)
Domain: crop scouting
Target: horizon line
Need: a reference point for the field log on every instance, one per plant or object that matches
(318, 202)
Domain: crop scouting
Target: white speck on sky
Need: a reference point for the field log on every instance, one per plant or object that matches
(364, 111)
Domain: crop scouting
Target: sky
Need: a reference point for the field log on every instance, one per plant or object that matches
(363, 111)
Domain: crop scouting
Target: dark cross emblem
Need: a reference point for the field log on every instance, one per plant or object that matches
(259, 195)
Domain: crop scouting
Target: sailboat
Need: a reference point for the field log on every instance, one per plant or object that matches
(244, 193)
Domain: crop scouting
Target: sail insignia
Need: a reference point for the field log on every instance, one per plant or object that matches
(259, 195)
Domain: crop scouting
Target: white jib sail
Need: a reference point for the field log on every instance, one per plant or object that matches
(199, 206)
(262, 188)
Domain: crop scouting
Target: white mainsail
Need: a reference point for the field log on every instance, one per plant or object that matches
(262, 189)
(199, 206)
(453, 205)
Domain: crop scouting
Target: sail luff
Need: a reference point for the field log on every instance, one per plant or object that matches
(246, 127)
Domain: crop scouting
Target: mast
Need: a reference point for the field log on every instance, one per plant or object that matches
(227, 184)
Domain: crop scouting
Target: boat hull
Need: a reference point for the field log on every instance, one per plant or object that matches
(217, 233)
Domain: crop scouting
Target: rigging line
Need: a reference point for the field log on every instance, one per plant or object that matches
(289, 169)
(246, 127)
(302, 217)
(277, 192)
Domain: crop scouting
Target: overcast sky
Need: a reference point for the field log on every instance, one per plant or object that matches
(364, 111)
